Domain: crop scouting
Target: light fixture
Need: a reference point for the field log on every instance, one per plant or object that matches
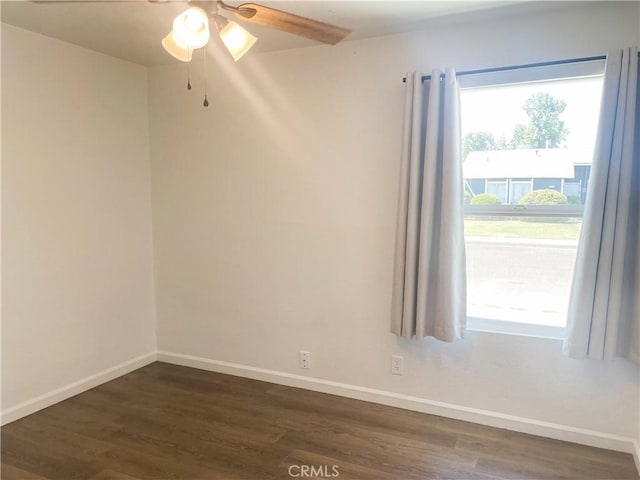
(235, 38)
(191, 27)
(176, 48)
(191, 31)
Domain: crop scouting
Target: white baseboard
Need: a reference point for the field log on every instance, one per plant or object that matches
(50, 398)
(484, 417)
(636, 454)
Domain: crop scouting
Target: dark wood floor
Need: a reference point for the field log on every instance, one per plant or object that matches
(165, 421)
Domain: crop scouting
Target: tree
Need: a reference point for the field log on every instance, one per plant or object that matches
(545, 129)
(523, 136)
(477, 142)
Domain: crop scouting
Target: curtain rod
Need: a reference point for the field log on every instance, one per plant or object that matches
(517, 67)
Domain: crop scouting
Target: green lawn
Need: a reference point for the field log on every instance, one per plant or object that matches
(522, 229)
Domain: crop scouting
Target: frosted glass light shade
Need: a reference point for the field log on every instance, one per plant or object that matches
(176, 48)
(191, 27)
(237, 40)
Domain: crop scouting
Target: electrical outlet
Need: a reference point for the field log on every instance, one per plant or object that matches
(397, 365)
(304, 359)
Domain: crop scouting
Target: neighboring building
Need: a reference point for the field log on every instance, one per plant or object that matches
(511, 174)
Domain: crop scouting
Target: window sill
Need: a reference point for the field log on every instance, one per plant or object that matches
(562, 211)
(514, 328)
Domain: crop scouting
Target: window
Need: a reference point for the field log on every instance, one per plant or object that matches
(572, 189)
(497, 188)
(518, 190)
(528, 139)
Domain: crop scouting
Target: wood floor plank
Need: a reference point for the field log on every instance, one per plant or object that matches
(85, 448)
(203, 450)
(399, 456)
(388, 419)
(165, 422)
(112, 475)
(9, 472)
(567, 461)
(299, 459)
(28, 455)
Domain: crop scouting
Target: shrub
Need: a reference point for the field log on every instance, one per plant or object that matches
(467, 197)
(544, 197)
(485, 199)
(574, 199)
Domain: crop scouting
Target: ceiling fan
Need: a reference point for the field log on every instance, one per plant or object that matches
(190, 30)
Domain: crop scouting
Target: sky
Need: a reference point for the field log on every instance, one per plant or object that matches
(499, 109)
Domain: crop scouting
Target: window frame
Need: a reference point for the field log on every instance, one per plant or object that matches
(490, 325)
(593, 68)
(570, 211)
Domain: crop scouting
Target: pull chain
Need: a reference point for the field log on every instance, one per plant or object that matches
(189, 73)
(206, 102)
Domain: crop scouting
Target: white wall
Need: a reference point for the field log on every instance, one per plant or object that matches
(274, 215)
(77, 258)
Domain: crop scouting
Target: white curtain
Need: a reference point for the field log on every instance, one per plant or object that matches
(604, 310)
(429, 285)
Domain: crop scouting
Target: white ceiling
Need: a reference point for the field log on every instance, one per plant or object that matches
(132, 30)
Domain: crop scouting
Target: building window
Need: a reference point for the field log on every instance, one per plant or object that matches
(573, 191)
(519, 188)
(497, 188)
(528, 143)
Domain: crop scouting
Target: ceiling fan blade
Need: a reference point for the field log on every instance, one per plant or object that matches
(288, 22)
